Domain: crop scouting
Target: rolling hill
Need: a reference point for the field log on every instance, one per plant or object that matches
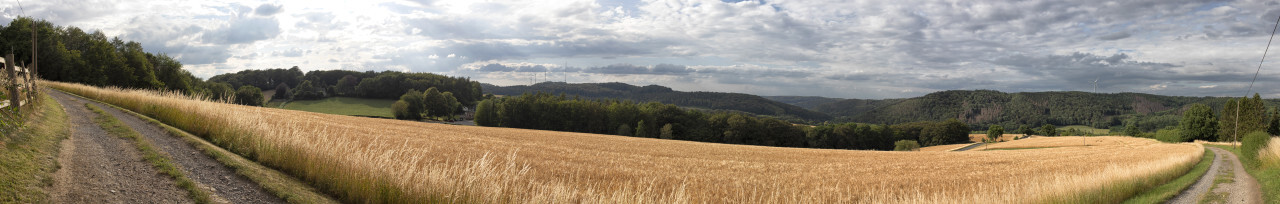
(987, 107)
(653, 93)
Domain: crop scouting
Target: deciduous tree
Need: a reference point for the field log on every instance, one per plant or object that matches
(1198, 123)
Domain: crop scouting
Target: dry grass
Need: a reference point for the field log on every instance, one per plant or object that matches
(1218, 143)
(379, 160)
(1270, 155)
(1069, 141)
(1004, 137)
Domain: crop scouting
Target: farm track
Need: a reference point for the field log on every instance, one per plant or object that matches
(966, 148)
(99, 168)
(1242, 189)
(210, 175)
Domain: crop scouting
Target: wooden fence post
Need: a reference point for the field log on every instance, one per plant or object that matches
(15, 97)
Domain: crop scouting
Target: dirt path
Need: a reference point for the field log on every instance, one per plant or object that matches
(97, 167)
(967, 148)
(1236, 185)
(211, 175)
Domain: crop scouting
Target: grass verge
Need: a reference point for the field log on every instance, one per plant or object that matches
(149, 153)
(1163, 193)
(1268, 177)
(279, 184)
(29, 157)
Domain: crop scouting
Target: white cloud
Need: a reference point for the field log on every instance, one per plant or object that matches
(839, 48)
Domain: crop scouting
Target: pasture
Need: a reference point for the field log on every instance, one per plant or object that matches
(380, 160)
(1082, 128)
(344, 106)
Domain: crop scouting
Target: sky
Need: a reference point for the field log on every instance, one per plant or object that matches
(869, 49)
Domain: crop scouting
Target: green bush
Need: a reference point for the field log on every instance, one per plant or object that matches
(249, 96)
(906, 145)
(1170, 136)
(1251, 144)
(401, 110)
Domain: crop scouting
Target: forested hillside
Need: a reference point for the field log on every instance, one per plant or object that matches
(981, 108)
(369, 84)
(653, 93)
(807, 102)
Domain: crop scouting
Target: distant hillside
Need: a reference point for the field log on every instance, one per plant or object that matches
(807, 102)
(708, 100)
(985, 107)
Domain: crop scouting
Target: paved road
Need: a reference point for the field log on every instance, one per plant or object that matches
(1242, 188)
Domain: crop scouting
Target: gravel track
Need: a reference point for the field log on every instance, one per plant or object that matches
(211, 175)
(97, 167)
(1243, 189)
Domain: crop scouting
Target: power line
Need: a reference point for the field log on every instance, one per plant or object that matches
(1240, 103)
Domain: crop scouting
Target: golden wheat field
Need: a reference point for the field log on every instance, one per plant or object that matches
(942, 148)
(381, 160)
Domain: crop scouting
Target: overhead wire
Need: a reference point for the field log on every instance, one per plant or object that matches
(1239, 104)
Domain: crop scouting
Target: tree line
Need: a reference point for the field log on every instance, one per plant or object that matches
(1239, 116)
(368, 84)
(546, 111)
(70, 54)
(417, 105)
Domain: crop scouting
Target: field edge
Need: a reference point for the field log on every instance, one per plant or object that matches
(1163, 193)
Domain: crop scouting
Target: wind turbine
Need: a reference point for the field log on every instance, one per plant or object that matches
(1095, 84)
(1095, 91)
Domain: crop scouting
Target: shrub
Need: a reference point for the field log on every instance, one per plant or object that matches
(1049, 130)
(641, 131)
(414, 104)
(282, 92)
(624, 130)
(906, 145)
(249, 96)
(667, 132)
(1251, 144)
(401, 110)
(1170, 136)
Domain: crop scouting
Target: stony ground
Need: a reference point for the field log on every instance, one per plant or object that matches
(222, 181)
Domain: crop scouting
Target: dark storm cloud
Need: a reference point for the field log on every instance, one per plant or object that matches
(1114, 36)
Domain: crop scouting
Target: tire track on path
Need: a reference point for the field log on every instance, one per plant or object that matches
(100, 168)
(211, 175)
(1241, 188)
